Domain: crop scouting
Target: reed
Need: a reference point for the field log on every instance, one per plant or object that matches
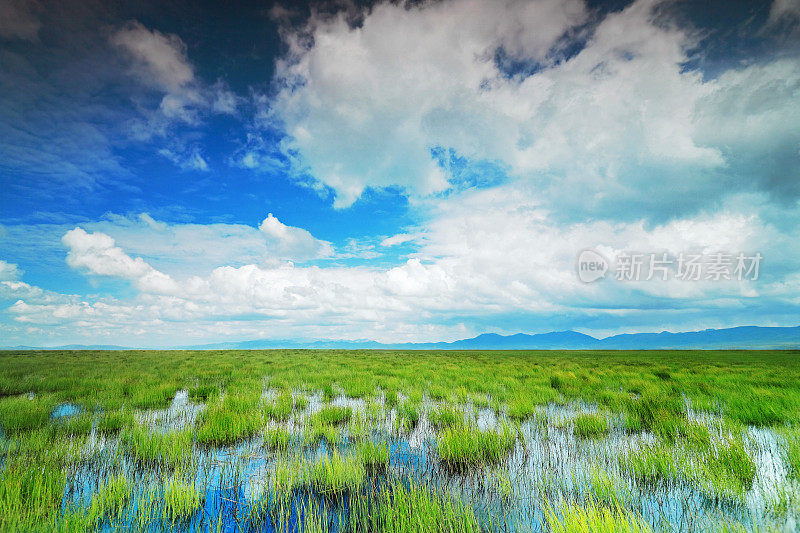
(170, 449)
(375, 455)
(181, 499)
(590, 426)
(110, 500)
(331, 415)
(593, 518)
(463, 446)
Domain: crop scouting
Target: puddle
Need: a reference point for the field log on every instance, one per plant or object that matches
(181, 414)
(65, 409)
(548, 462)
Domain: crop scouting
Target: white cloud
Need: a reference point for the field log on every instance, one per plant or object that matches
(289, 241)
(9, 271)
(185, 249)
(190, 160)
(160, 62)
(486, 253)
(21, 291)
(224, 100)
(98, 254)
(782, 10)
(400, 238)
(362, 114)
(159, 59)
(623, 121)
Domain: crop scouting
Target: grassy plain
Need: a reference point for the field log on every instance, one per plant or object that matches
(399, 441)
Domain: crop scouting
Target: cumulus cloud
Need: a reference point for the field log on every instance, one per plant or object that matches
(622, 120)
(185, 249)
(290, 241)
(486, 253)
(98, 254)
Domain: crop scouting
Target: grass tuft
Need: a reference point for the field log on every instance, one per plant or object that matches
(593, 518)
(462, 447)
(590, 426)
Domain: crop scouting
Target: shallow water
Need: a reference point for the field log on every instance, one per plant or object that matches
(548, 464)
(64, 410)
(181, 414)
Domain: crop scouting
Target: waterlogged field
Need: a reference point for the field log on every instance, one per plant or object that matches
(400, 441)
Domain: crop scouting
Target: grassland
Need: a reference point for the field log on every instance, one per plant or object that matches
(399, 441)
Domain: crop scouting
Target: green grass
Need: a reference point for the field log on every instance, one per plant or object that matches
(446, 416)
(171, 449)
(521, 408)
(336, 474)
(607, 489)
(647, 391)
(375, 455)
(358, 386)
(328, 393)
(317, 431)
(593, 518)
(501, 483)
(721, 470)
(277, 438)
(281, 408)
(331, 474)
(30, 494)
(289, 475)
(232, 419)
(332, 415)
(416, 509)
(110, 499)
(202, 393)
(792, 451)
(181, 499)
(463, 446)
(112, 422)
(20, 413)
(408, 415)
(73, 426)
(153, 395)
(390, 398)
(590, 426)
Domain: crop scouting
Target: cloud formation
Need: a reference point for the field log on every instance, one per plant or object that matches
(18, 20)
(292, 242)
(484, 253)
(160, 62)
(622, 120)
(521, 132)
(9, 271)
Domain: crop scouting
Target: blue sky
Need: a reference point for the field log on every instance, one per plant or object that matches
(179, 173)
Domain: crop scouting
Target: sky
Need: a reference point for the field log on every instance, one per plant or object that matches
(178, 173)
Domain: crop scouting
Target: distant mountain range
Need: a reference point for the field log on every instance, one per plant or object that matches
(743, 337)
